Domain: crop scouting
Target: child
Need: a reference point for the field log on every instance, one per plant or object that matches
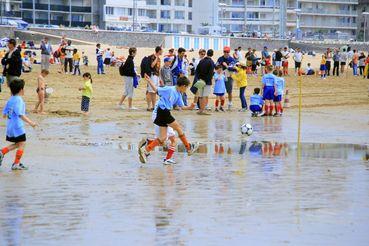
(256, 103)
(85, 59)
(323, 67)
(219, 88)
(76, 59)
(240, 77)
(15, 112)
(41, 87)
(278, 94)
(268, 83)
(309, 70)
(169, 96)
(86, 93)
(166, 73)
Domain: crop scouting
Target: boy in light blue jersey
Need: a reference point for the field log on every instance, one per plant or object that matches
(280, 85)
(256, 103)
(15, 112)
(269, 89)
(219, 88)
(169, 96)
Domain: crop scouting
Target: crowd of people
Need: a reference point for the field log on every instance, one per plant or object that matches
(170, 81)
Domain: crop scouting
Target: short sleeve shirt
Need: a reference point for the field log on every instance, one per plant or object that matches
(268, 79)
(280, 85)
(169, 96)
(13, 110)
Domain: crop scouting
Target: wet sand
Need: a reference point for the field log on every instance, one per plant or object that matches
(85, 185)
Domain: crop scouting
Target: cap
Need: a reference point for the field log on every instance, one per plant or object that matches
(265, 47)
(227, 49)
(167, 59)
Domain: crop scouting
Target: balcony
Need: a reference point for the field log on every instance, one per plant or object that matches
(81, 9)
(54, 7)
(332, 1)
(311, 11)
(16, 14)
(27, 6)
(325, 25)
(62, 8)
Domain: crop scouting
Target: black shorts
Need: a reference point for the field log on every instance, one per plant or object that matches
(85, 104)
(297, 64)
(343, 63)
(107, 61)
(163, 117)
(253, 67)
(21, 138)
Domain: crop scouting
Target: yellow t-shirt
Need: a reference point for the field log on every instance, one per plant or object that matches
(240, 77)
(87, 89)
(76, 57)
(323, 61)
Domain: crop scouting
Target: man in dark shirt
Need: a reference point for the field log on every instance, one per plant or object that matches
(205, 72)
(12, 62)
(278, 59)
(129, 76)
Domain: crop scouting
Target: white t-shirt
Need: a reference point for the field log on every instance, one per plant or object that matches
(69, 51)
(108, 54)
(284, 54)
(297, 57)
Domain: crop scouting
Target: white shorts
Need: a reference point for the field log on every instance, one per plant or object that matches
(128, 86)
(170, 131)
(278, 63)
(154, 79)
(204, 92)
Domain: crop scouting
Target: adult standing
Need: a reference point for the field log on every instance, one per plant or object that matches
(343, 60)
(328, 62)
(239, 53)
(46, 51)
(297, 57)
(68, 57)
(264, 56)
(205, 72)
(154, 61)
(285, 56)
(177, 65)
(355, 63)
(12, 62)
(278, 59)
(129, 75)
(227, 62)
(108, 56)
(99, 58)
(336, 62)
(362, 63)
(202, 54)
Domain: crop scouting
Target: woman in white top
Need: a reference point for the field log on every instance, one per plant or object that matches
(107, 59)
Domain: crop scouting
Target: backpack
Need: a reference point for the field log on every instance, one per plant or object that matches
(121, 68)
(145, 67)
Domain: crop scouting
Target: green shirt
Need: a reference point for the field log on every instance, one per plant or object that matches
(87, 89)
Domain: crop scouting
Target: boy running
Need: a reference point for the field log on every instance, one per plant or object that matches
(169, 96)
(15, 112)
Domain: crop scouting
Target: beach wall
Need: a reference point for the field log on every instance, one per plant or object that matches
(321, 46)
(7, 31)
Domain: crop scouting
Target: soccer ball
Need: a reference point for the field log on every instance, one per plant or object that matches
(246, 129)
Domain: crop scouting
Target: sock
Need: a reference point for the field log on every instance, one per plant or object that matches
(170, 153)
(222, 102)
(18, 156)
(270, 109)
(185, 142)
(216, 103)
(152, 145)
(149, 141)
(266, 109)
(5, 150)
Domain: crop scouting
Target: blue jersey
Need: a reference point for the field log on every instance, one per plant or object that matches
(169, 96)
(256, 99)
(280, 83)
(13, 110)
(230, 61)
(269, 79)
(219, 86)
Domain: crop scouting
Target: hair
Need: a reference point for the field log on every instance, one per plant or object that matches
(75, 51)
(218, 67)
(202, 51)
(210, 52)
(69, 42)
(269, 68)
(275, 72)
(257, 91)
(280, 73)
(180, 50)
(98, 45)
(45, 71)
(157, 49)
(132, 50)
(239, 47)
(87, 75)
(309, 64)
(12, 41)
(344, 50)
(183, 81)
(16, 86)
(171, 50)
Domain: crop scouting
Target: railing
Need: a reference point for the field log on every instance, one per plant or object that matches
(336, 1)
(81, 9)
(325, 12)
(54, 7)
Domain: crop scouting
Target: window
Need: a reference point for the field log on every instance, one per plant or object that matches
(179, 15)
(151, 2)
(109, 10)
(190, 3)
(253, 15)
(151, 14)
(141, 12)
(165, 14)
(130, 11)
(237, 15)
(165, 2)
(180, 3)
(190, 15)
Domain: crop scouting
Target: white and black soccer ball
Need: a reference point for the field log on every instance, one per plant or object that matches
(246, 129)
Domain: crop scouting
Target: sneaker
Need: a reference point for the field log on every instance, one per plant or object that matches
(19, 166)
(208, 107)
(143, 154)
(221, 109)
(132, 108)
(229, 107)
(1, 158)
(169, 162)
(216, 110)
(142, 143)
(275, 115)
(194, 147)
(242, 110)
(197, 107)
(120, 106)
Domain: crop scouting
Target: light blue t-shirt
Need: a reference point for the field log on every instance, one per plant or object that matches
(269, 79)
(256, 99)
(280, 85)
(13, 110)
(169, 96)
(219, 86)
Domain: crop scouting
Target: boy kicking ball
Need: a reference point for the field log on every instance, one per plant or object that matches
(15, 112)
(169, 96)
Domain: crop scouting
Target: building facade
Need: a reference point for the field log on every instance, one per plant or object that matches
(363, 21)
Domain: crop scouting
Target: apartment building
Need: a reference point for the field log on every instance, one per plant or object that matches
(152, 15)
(363, 21)
(11, 9)
(71, 13)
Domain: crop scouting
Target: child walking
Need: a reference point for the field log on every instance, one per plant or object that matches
(76, 61)
(86, 93)
(15, 113)
(219, 88)
(240, 76)
(41, 87)
(169, 96)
